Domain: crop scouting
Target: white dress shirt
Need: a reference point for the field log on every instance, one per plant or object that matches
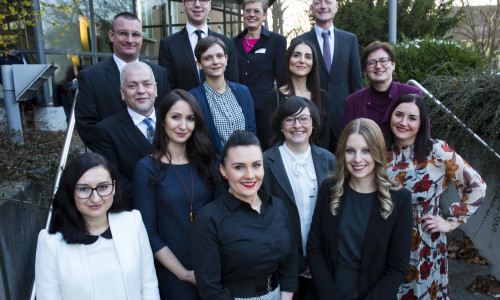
(120, 63)
(138, 120)
(193, 38)
(319, 32)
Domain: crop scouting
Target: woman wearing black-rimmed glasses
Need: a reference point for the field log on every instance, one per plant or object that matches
(378, 62)
(93, 248)
(295, 167)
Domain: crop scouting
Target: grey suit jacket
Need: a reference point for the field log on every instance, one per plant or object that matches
(276, 183)
(345, 74)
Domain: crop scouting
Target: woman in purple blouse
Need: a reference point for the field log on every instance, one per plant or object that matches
(378, 62)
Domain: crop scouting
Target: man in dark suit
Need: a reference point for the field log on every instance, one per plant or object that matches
(338, 56)
(177, 51)
(99, 85)
(126, 137)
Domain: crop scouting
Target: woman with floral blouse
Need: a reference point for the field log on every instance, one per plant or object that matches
(426, 167)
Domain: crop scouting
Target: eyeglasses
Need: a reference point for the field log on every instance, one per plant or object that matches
(303, 119)
(326, 2)
(249, 11)
(382, 61)
(125, 34)
(103, 190)
(193, 2)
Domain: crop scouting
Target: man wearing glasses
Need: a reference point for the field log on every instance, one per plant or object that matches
(176, 52)
(99, 85)
(338, 55)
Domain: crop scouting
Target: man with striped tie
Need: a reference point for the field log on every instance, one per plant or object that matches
(126, 137)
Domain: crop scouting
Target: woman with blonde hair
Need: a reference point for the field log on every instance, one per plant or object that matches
(357, 246)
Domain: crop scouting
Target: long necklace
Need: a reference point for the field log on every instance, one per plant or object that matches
(191, 211)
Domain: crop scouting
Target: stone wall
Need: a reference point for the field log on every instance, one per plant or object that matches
(19, 227)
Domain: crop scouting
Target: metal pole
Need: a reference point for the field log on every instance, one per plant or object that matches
(428, 94)
(40, 50)
(62, 164)
(392, 21)
(11, 105)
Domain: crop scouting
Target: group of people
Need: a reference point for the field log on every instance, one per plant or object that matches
(207, 182)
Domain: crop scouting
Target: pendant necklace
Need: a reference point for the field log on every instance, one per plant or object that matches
(248, 44)
(191, 212)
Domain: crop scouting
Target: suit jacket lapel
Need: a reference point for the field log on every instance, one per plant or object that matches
(239, 44)
(320, 164)
(277, 169)
(338, 41)
(311, 36)
(188, 52)
(113, 75)
(135, 136)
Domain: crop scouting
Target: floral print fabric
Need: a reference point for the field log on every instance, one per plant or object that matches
(427, 277)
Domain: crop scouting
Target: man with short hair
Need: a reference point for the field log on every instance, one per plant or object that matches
(126, 137)
(176, 52)
(338, 56)
(99, 85)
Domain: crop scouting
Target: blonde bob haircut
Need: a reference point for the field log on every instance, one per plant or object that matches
(375, 141)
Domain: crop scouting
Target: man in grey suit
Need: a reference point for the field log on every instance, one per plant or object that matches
(338, 56)
(176, 52)
(99, 85)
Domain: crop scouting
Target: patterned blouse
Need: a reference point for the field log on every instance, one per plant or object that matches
(226, 112)
(427, 277)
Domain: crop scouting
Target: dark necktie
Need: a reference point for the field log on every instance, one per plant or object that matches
(150, 131)
(201, 73)
(327, 54)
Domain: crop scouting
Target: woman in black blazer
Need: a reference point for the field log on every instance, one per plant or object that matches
(359, 242)
(295, 167)
(260, 58)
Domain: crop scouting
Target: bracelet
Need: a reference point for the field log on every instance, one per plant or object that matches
(449, 224)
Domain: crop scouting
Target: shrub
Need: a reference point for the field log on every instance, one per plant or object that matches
(417, 59)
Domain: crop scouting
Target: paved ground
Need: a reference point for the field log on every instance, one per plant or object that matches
(463, 274)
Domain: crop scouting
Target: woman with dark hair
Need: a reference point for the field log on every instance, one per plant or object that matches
(244, 246)
(171, 185)
(359, 242)
(227, 106)
(295, 167)
(426, 167)
(300, 77)
(93, 248)
(260, 57)
(378, 62)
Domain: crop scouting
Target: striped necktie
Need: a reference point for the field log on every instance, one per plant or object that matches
(150, 131)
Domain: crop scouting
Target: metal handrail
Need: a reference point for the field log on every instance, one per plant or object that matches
(428, 94)
(62, 165)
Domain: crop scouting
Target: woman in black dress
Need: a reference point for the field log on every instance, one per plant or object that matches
(300, 77)
(359, 242)
(242, 243)
(171, 185)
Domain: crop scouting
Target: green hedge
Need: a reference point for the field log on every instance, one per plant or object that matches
(417, 59)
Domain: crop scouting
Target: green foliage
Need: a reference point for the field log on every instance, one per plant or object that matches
(418, 59)
(369, 19)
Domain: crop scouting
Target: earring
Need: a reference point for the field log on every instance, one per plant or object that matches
(225, 178)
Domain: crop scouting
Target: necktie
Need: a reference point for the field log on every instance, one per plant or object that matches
(327, 56)
(150, 131)
(198, 34)
(200, 72)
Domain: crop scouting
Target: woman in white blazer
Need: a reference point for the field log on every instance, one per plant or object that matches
(93, 248)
